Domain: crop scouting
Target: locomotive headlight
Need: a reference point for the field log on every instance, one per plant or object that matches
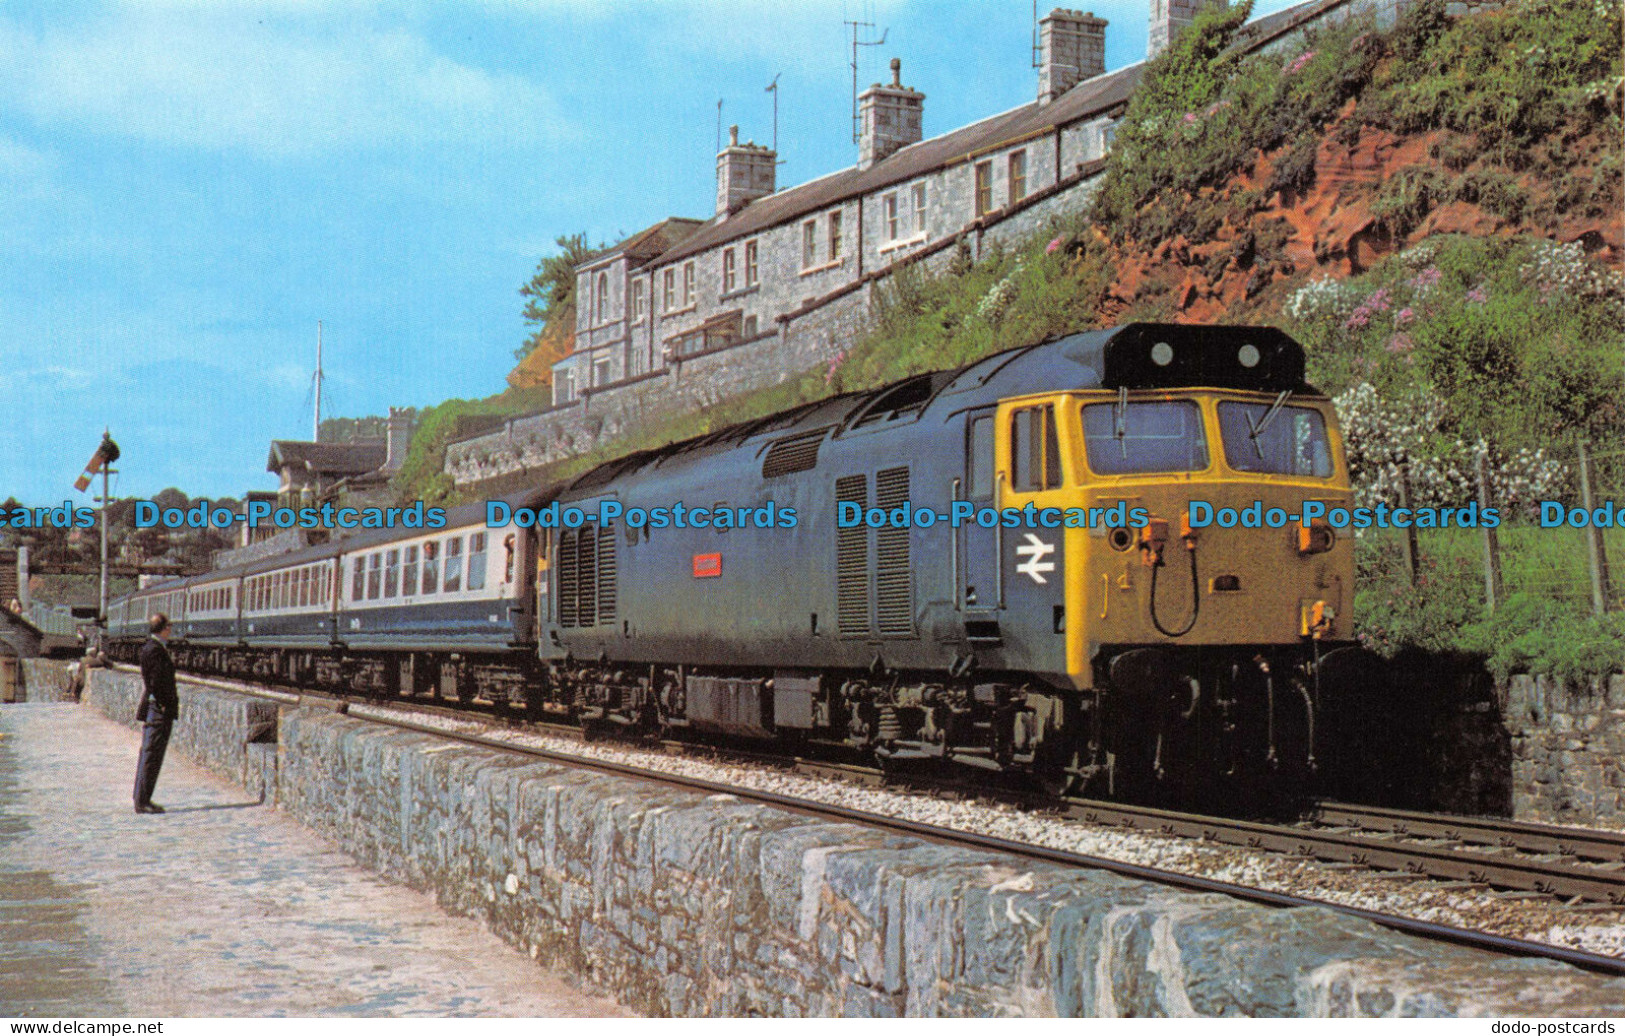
(1162, 354)
(1248, 356)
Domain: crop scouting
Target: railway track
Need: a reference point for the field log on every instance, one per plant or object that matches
(1461, 849)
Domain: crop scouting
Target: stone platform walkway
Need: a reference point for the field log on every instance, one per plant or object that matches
(218, 907)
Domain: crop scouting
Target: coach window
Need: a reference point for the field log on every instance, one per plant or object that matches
(358, 577)
(431, 567)
(452, 580)
(409, 573)
(1035, 450)
(303, 577)
(374, 565)
(476, 561)
(392, 572)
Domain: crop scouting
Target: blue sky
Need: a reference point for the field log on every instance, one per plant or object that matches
(187, 186)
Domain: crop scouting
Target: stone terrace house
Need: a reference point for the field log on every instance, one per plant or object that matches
(779, 282)
(766, 253)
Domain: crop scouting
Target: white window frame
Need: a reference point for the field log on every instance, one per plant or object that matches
(669, 295)
(835, 238)
(809, 244)
(638, 291)
(752, 264)
(889, 210)
(730, 271)
(688, 284)
(920, 199)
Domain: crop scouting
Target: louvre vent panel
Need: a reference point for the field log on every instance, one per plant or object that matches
(852, 562)
(792, 454)
(567, 578)
(587, 576)
(894, 576)
(606, 575)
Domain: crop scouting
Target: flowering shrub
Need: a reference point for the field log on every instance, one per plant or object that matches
(1385, 439)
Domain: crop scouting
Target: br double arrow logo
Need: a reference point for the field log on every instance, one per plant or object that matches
(1035, 551)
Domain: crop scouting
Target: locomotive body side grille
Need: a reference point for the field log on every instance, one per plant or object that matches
(792, 454)
(894, 579)
(852, 562)
(567, 578)
(587, 576)
(606, 575)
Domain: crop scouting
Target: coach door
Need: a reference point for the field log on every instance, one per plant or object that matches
(977, 557)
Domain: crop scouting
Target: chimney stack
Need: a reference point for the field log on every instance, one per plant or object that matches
(888, 118)
(397, 437)
(745, 172)
(1168, 17)
(1072, 48)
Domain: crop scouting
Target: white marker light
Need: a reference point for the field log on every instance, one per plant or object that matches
(1248, 355)
(1162, 354)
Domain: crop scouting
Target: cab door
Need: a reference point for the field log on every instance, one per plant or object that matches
(977, 572)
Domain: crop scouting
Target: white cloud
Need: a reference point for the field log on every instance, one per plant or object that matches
(287, 81)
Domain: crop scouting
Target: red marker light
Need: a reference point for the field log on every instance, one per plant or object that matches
(707, 566)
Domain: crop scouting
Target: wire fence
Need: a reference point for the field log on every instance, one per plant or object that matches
(1578, 560)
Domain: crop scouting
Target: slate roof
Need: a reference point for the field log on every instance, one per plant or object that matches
(328, 458)
(1089, 99)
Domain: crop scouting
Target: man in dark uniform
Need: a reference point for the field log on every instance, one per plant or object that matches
(159, 708)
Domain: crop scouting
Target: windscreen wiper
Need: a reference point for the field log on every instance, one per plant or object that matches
(1255, 430)
(1120, 420)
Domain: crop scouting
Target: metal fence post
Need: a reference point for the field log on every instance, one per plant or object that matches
(1594, 543)
(1492, 544)
(1413, 557)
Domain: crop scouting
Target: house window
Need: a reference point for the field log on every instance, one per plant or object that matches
(1018, 176)
(890, 208)
(834, 236)
(809, 244)
(984, 188)
(688, 284)
(637, 301)
(751, 273)
(670, 298)
(603, 297)
(750, 326)
(730, 276)
(600, 372)
(919, 208)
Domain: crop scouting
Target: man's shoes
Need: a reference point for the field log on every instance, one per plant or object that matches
(150, 807)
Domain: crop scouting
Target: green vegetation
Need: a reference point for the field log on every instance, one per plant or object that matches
(550, 294)
(422, 475)
(1543, 625)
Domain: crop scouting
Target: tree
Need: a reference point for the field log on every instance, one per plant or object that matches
(550, 294)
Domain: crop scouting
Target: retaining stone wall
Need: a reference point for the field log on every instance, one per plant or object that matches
(215, 727)
(45, 679)
(1568, 748)
(693, 905)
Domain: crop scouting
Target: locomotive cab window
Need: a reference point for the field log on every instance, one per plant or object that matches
(979, 462)
(1272, 439)
(1132, 438)
(1035, 450)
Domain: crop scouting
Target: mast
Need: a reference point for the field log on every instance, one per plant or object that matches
(316, 429)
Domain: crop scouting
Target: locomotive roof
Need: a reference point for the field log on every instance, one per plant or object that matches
(1132, 356)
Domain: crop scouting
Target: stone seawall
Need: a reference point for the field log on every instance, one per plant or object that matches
(45, 679)
(694, 905)
(686, 904)
(232, 734)
(1568, 748)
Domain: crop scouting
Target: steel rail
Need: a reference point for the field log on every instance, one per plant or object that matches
(1591, 844)
(1190, 825)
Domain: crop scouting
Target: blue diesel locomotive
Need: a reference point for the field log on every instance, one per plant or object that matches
(1142, 657)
